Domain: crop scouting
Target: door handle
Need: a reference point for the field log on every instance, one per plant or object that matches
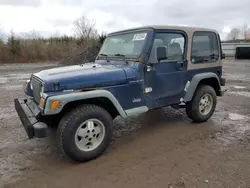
(180, 65)
(149, 68)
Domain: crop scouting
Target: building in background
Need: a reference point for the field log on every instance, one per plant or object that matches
(247, 35)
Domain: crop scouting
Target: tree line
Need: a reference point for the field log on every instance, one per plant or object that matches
(239, 33)
(82, 47)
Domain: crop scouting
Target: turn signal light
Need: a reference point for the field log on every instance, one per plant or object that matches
(41, 103)
(54, 105)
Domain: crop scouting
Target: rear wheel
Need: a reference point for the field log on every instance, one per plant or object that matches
(85, 132)
(203, 104)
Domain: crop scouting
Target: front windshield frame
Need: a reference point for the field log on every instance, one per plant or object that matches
(104, 55)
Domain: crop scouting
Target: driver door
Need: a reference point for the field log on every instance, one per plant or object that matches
(164, 79)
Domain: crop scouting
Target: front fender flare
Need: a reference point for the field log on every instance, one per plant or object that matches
(194, 83)
(75, 96)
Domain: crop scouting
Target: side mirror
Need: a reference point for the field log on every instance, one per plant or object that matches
(223, 56)
(161, 53)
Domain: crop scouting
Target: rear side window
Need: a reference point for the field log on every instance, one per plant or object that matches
(204, 47)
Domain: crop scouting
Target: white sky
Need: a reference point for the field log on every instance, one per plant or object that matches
(57, 16)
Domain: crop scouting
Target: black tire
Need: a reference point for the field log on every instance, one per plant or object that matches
(192, 107)
(69, 124)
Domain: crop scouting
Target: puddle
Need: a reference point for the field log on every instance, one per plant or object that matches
(13, 78)
(236, 128)
(3, 80)
(17, 76)
(239, 87)
(241, 93)
(12, 87)
(237, 77)
(235, 116)
(7, 113)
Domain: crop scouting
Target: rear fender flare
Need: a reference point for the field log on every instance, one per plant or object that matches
(190, 90)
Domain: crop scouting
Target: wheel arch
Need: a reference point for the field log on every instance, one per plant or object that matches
(210, 79)
(102, 98)
(103, 102)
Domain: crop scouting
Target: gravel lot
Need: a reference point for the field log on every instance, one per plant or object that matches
(162, 148)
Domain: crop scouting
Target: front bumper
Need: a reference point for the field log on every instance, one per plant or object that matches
(28, 112)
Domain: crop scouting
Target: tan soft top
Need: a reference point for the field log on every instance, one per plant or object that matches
(187, 29)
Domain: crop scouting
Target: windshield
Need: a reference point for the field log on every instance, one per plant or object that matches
(127, 44)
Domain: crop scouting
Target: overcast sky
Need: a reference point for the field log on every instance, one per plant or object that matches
(56, 16)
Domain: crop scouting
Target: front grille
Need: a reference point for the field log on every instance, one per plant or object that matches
(37, 87)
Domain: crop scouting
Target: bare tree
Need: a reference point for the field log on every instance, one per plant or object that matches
(244, 30)
(2, 34)
(233, 34)
(86, 38)
(85, 28)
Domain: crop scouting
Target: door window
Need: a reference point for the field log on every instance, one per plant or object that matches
(174, 44)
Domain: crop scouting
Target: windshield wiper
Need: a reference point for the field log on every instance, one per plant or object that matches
(120, 55)
(103, 55)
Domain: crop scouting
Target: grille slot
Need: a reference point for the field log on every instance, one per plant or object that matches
(37, 87)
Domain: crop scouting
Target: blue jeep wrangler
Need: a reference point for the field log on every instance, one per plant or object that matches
(136, 70)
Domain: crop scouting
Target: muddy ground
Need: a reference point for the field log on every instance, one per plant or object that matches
(162, 148)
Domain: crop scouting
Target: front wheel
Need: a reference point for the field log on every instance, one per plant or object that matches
(85, 132)
(203, 104)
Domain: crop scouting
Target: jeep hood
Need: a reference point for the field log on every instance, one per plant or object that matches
(88, 75)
